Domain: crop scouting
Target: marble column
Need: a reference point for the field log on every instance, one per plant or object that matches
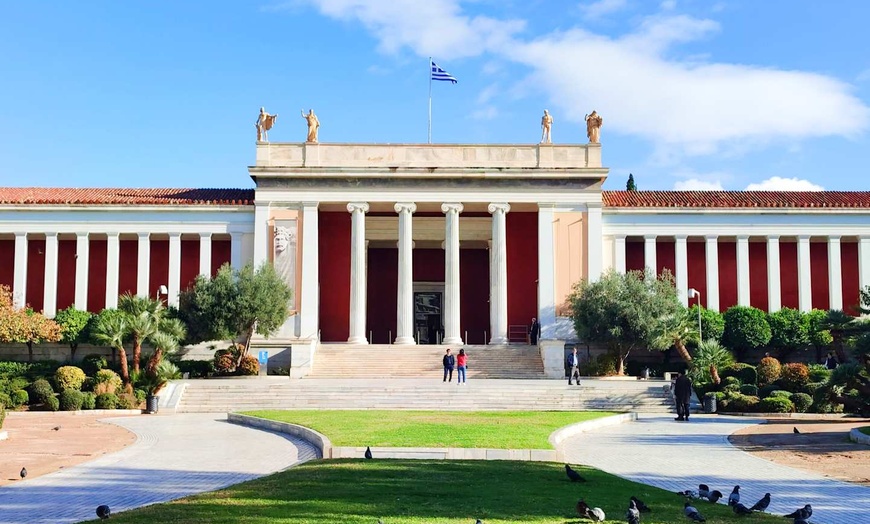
(49, 295)
(742, 270)
(835, 274)
(205, 254)
(405, 302)
(863, 262)
(712, 258)
(261, 236)
(83, 251)
(309, 294)
(19, 271)
(681, 259)
(236, 252)
(594, 242)
(113, 251)
(805, 290)
(174, 285)
(498, 279)
(774, 284)
(649, 254)
(357, 330)
(452, 333)
(143, 266)
(619, 253)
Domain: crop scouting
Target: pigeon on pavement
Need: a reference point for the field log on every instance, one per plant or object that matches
(762, 504)
(56, 428)
(714, 496)
(633, 514)
(692, 513)
(368, 453)
(573, 475)
(795, 430)
(803, 513)
(643, 508)
(740, 509)
(103, 512)
(734, 497)
(23, 472)
(703, 491)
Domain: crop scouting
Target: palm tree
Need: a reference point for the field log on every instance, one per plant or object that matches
(678, 330)
(143, 317)
(111, 330)
(164, 344)
(709, 358)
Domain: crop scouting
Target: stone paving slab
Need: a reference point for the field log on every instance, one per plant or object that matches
(174, 456)
(675, 456)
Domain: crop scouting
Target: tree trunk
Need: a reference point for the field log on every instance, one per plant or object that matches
(137, 353)
(125, 370)
(30, 351)
(681, 349)
(714, 374)
(154, 361)
(72, 352)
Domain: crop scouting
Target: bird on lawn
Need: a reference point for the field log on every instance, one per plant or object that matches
(688, 493)
(478, 521)
(803, 513)
(714, 496)
(762, 504)
(703, 491)
(368, 453)
(795, 430)
(23, 472)
(633, 514)
(596, 515)
(801, 521)
(573, 476)
(103, 512)
(734, 497)
(692, 513)
(643, 508)
(582, 508)
(740, 509)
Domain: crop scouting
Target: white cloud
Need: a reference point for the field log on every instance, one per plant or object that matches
(485, 113)
(595, 10)
(784, 184)
(668, 5)
(694, 184)
(487, 93)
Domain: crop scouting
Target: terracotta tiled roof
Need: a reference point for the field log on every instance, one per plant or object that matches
(119, 196)
(738, 199)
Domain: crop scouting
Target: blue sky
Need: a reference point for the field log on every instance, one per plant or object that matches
(694, 93)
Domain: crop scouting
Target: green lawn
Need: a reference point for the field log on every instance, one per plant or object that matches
(430, 492)
(865, 431)
(478, 429)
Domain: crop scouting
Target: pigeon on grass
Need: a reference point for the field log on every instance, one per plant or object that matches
(633, 514)
(714, 496)
(368, 453)
(692, 514)
(762, 504)
(643, 508)
(103, 512)
(740, 509)
(734, 497)
(703, 491)
(688, 493)
(573, 476)
(803, 513)
(596, 515)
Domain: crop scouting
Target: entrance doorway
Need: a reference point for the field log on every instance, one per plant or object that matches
(428, 309)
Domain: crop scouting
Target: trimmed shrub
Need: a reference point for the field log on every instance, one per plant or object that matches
(8, 385)
(802, 402)
(70, 400)
(732, 388)
(731, 381)
(745, 373)
(742, 403)
(765, 391)
(89, 400)
(41, 391)
(69, 377)
(106, 381)
(749, 390)
(6, 400)
(776, 405)
(822, 404)
(794, 376)
(19, 398)
(746, 328)
(769, 370)
(52, 404)
(41, 369)
(249, 365)
(2, 415)
(224, 363)
(9, 369)
(812, 387)
(140, 395)
(818, 373)
(106, 401)
(93, 363)
(127, 401)
(196, 368)
(780, 393)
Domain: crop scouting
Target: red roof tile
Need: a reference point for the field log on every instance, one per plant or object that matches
(119, 196)
(738, 199)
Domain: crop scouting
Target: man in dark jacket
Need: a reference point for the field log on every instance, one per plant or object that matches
(449, 361)
(534, 331)
(682, 396)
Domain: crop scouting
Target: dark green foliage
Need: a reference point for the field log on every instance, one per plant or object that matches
(2, 415)
(765, 391)
(10, 369)
(780, 393)
(788, 331)
(731, 381)
(630, 185)
(5, 400)
(140, 395)
(712, 322)
(794, 376)
(93, 363)
(19, 398)
(775, 404)
(89, 400)
(746, 328)
(74, 327)
(749, 390)
(41, 391)
(769, 370)
(744, 372)
(9, 385)
(742, 403)
(106, 401)
(196, 368)
(51, 404)
(818, 372)
(601, 366)
(71, 400)
(802, 402)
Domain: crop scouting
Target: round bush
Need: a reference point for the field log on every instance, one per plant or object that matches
(765, 391)
(70, 400)
(749, 389)
(41, 391)
(52, 404)
(249, 365)
(742, 403)
(768, 370)
(819, 373)
(776, 405)
(69, 377)
(127, 401)
(780, 393)
(224, 363)
(731, 381)
(802, 402)
(93, 363)
(5, 400)
(731, 388)
(745, 373)
(106, 401)
(19, 398)
(89, 400)
(794, 376)
(107, 381)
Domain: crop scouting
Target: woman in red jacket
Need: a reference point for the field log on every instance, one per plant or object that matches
(461, 360)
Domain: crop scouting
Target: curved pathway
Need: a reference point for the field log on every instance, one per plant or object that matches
(676, 456)
(174, 456)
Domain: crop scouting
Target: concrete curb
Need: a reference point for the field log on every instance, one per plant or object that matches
(101, 412)
(799, 416)
(857, 436)
(318, 440)
(174, 392)
(558, 436)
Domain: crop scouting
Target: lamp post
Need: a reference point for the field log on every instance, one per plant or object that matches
(695, 293)
(161, 291)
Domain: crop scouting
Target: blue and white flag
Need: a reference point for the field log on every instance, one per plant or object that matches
(440, 74)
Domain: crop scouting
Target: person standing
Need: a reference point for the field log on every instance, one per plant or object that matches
(534, 331)
(831, 361)
(448, 361)
(461, 364)
(573, 362)
(682, 396)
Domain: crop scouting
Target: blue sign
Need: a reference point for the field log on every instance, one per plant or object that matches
(263, 357)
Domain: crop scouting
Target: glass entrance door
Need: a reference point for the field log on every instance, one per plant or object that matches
(428, 324)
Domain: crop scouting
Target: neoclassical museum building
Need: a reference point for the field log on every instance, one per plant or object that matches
(429, 243)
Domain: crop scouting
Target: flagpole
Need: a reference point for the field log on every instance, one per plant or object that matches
(430, 99)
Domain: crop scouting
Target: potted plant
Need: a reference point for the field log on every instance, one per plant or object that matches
(155, 379)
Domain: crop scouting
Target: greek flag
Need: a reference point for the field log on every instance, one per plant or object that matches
(440, 74)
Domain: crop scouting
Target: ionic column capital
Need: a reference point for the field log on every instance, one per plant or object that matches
(496, 207)
(357, 206)
(448, 207)
(410, 207)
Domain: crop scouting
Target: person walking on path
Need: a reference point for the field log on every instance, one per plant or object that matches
(461, 363)
(682, 396)
(573, 362)
(448, 361)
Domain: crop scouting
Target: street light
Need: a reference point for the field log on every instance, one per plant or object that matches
(161, 291)
(695, 293)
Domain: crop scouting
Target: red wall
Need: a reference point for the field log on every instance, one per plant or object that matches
(634, 257)
(159, 274)
(428, 265)
(381, 295)
(666, 256)
(66, 273)
(819, 275)
(221, 252)
(758, 275)
(788, 274)
(522, 267)
(97, 275)
(7, 262)
(474, 295)
(849, 264)
(35, 274)
(696, 252)
(128, 266)
(727, 275)
(189, 262)
(334, 268)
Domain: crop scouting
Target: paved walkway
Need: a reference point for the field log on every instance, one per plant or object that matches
(174, 456)
(674, 456)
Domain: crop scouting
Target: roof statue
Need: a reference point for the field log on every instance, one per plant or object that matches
(263, 124)
(546, 124)
(313, 125)
(593, 127)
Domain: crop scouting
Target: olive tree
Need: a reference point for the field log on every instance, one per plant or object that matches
(746, 328)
